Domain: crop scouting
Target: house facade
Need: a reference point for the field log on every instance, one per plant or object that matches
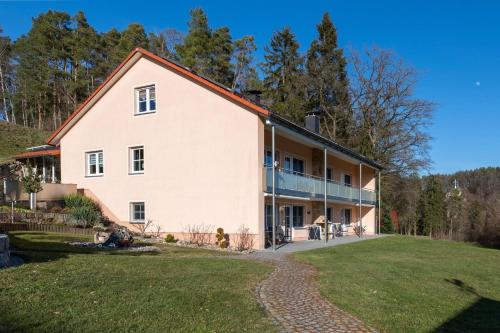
(157, 142)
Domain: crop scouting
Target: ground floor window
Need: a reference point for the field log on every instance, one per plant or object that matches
(138, 212)
(269, 217)
(329, 214)
(298, 216)
(346, 216)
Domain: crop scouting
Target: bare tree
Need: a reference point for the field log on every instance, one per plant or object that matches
(391, 120)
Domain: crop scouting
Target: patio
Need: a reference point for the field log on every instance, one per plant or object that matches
(316, 244)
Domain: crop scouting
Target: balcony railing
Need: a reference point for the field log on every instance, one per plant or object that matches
(306, 186)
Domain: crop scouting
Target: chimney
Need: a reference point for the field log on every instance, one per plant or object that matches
(312, 122)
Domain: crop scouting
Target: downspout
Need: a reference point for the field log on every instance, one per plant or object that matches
(325, 212)
(360, 218)
(274, 186)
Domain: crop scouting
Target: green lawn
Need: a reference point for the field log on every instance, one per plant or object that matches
(406, 284)
(68, 289)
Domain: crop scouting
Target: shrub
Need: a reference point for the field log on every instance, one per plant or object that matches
(222, 238)
(84, 210)
(199, 235)
(244, 239)
(170, 239)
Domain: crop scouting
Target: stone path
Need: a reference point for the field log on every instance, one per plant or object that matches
(291, 296)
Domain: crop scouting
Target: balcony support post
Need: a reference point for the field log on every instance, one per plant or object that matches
(274, 186)
(53, 169)
(379, 203)
(360, 193)
(325, 202)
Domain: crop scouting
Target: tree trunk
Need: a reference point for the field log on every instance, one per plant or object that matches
(2, 84)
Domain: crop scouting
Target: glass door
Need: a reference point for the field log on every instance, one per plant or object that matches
(288, 222)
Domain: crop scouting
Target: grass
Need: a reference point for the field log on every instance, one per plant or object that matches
(64, 288)
(14, 139)
(406, 284)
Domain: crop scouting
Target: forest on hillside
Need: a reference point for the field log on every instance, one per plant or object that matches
(365, 99)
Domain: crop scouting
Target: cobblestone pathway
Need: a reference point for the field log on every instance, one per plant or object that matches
(291, 296)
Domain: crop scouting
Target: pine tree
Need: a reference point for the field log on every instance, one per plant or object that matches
(195, 51)
(283, 70)
(205, 51)
(327, 84)
(432, 208)
(221, 47)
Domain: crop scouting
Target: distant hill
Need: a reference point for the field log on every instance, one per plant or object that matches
(14, 139)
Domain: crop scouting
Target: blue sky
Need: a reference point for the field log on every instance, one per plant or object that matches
(453, 44)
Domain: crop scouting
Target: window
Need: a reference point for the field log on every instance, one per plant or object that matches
(346, 216)
(268, 157)
(298, 216)
(329, 174)
(269, 217)
(136, 156)
(294, 165)
(329, 214)
(347, 180)
(145, 100)
(137, 212)
(95, 163)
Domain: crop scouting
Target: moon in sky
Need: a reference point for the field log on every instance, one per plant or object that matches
(478, 83)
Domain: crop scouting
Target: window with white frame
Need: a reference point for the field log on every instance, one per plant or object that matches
(95, 163)
(145, 100)
(137, 212)
(136, 159)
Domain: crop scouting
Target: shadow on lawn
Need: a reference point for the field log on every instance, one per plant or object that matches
(33, 251)
(481, 316)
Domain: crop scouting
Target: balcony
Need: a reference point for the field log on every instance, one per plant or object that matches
(310, 187)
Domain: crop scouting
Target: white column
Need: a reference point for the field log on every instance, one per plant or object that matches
(53, 169)
(360, 193)
(274, 186)
(44, 170)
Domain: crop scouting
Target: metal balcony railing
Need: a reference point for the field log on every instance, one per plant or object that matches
(307, 186)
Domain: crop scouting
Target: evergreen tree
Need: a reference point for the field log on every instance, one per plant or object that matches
(221, 50)
(196, 49)
(206, 52)
(454, 212)
(327, 84)
(132, 37)
(283, 81)
(432, 208)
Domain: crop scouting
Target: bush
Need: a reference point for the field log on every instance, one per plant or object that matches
(222, 238)
(84, 210)
(170, 239)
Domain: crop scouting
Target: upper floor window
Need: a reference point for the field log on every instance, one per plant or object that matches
(329, 174)
(95, 163)
(136, 157)
(145, 100)
(268, 157)
(294, 165)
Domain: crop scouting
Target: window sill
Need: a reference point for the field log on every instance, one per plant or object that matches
(136, 173)
(94, 176)
(143, 113)
(137, 222)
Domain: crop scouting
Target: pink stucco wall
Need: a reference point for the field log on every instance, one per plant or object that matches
(202, 154)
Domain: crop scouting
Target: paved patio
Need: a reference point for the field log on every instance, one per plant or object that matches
(317, 244)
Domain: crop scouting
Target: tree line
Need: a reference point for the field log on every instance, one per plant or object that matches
(462, 206)
(365, 100)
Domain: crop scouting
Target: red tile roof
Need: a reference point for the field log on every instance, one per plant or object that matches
(39, 153)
